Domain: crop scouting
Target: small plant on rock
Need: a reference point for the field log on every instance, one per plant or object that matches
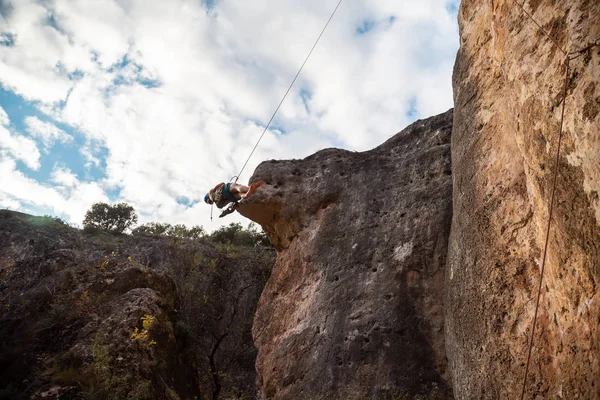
(142, 334)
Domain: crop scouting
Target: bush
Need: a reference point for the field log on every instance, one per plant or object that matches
(164, 229)
(233, 234)
(152, 228)
(236, 234)
(110, 218)
(54, 219)
(181, 231)
(218, 291)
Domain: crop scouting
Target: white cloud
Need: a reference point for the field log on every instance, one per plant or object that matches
(100, 26)
(20, 147)
(29, 66)
(62, 176)
(22, 193)
(220, 75)
(4, 120)
(47, 132)
(87, 151)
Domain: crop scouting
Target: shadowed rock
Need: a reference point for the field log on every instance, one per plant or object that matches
(353, 308)
(100, 316)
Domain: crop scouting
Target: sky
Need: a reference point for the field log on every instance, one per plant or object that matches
(152, 102)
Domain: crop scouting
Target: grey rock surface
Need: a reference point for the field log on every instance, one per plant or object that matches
(354, 306)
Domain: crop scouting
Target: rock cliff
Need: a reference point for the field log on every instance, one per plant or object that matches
(508, 82)
(354, 306)
(98, 316)
(399, 273)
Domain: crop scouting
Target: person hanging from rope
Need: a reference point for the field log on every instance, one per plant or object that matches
(225, 193)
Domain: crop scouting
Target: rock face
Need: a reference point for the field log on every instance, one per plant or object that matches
(353, 308)
(67, 316)
(508, 83)
(97, 316)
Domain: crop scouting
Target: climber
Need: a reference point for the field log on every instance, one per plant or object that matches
(225, 193)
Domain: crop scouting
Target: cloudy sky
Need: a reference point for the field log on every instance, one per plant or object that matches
(153, 102)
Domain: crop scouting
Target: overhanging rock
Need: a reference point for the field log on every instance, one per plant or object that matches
(354, 308)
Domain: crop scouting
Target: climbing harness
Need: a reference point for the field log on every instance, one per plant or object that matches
(568, 58)
(289, 88)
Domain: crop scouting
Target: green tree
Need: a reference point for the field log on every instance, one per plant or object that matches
(152, 228)
(196, 232)
(178, 231)
(111, 218)
(228, 234)
(236, 234)
(165, 229)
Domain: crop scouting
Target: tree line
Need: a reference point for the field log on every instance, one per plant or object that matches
(121, 217)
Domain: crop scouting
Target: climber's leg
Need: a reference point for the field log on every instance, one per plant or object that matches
(253, 188)
(238, 190)
(228, 210)
(234, 191)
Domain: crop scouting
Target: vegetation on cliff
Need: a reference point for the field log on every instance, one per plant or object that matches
(94, 315)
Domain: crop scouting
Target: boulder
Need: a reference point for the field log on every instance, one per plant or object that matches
(354, 305)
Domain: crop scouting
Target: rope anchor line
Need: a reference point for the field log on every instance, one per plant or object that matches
(289, 88)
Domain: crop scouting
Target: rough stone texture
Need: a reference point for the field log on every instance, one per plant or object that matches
(508, 81)
(353, 308)
(70, 302)
(67, 314)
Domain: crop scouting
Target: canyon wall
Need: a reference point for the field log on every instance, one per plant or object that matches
(354, 306)
(508, 83)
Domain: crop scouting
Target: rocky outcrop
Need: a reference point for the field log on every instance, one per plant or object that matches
(68, 316)
(508, 82)
(354, 306)
(124, 317)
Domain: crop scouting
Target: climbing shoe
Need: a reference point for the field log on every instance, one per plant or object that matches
(228, 210)
(253, 188)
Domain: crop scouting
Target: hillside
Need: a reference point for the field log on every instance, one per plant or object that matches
(124, 317)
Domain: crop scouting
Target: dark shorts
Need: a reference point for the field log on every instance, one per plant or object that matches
(227, 195)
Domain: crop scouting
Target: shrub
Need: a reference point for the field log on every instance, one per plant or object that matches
(54, 219)
(111, 218)
(164, 229)
(237, 235)
(151, 228)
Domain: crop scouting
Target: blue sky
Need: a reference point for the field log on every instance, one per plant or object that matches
(118, 101)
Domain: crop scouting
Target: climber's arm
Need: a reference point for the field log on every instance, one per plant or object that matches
(211, 192)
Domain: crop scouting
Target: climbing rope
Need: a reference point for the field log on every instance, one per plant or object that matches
(568, 58)
(288, 90)
(521, 6)
(550, 211)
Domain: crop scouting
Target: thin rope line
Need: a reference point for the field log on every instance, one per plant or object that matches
(578, 53)
(568, 57)
(289, 88)
(550, 211)
(539, 26)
